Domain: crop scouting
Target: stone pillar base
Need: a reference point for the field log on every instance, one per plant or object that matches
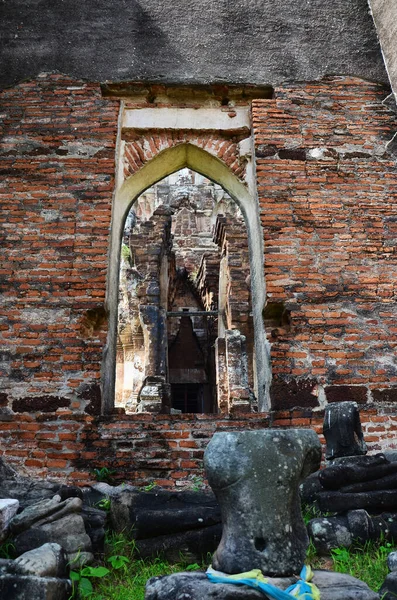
(155, 396)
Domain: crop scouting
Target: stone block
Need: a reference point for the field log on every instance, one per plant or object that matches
(388, 591)
(392, 561)
(19, 587)
(69, 532)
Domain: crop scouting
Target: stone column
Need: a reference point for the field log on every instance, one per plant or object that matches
(118, 401)
(155, 393)
(222, 390)
(154, 331)
(128, 375)
(237, 372)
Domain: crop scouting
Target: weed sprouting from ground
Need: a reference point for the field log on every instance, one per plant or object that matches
(104, 474)
(311, 511)
(7, 549)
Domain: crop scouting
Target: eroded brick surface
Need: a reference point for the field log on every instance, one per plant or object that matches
(144, 147)
(57, 164)
(147, 447)
(327, 192)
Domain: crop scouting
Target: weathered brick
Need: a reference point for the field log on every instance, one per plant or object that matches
(326, 187)
(328, 229)
(57, 157)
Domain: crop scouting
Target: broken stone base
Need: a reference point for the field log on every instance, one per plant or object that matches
(18, 587)
(196, 586)
(155, 396)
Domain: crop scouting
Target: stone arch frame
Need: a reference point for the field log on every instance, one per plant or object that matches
(163, 164)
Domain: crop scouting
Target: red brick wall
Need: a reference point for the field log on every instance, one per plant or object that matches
(141, 148)
(327, 191)
(141, 448)
(57, 164)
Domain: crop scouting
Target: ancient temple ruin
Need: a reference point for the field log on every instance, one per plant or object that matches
(199, 233)
(185, 330)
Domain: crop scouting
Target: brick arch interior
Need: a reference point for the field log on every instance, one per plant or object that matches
(156, 168)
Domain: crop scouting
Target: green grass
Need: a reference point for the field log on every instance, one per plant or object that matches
(128, 574)
(128, 581)
(310, 511)
(7, 549)
(367, 562)
(131, 585)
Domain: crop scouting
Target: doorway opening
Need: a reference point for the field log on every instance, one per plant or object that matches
(130, 187)
(185, 332)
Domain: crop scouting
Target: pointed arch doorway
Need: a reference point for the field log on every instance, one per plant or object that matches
(186, 155)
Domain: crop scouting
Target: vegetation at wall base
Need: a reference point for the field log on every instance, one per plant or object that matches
(128, 574)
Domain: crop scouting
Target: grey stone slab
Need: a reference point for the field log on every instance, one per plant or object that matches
(6, 472)
(309, 488)
(193, 546)
(340, 586)
(370, 460)
(45, 511)
(388, 591)
(385, 16)
(340, 475)
(160, 512)
(196, 586)
(26, 490)
(389, 482)
(69, 532)
(95, 524)
(375, 502)
(391, 455)
(251, 41)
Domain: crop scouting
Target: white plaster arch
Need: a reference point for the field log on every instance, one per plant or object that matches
(166, 162)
